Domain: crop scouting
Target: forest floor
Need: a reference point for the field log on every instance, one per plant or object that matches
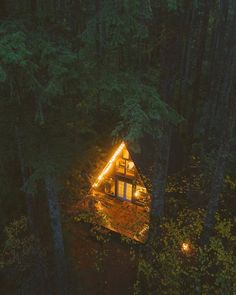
(97, 266)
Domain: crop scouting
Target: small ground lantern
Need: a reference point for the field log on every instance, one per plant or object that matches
(185, 248)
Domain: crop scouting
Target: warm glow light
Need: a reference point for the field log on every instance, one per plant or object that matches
(109, 164)
(98, 206)
(131, 165)
(185, 247)
(143, 230)
(136, 194)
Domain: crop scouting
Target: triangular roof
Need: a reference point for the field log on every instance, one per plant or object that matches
(109, 164)
(141, 160)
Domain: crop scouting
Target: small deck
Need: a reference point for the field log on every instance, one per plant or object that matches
(126, 218)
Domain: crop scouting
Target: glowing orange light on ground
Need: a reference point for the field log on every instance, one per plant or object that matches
(137, 193)
(185, 247)
(109, 164)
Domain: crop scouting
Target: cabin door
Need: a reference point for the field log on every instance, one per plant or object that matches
(124, 190)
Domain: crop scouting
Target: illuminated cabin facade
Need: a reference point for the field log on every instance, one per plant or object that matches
(120, 195)
(121, 179)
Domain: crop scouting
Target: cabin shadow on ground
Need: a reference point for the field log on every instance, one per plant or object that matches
(99, 267)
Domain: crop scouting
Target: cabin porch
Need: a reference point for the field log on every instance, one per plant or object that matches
(126, 218)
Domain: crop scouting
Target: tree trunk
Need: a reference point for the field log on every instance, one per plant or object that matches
(168, 72)
(160, 169)
(33, 6)
(228, 122)
(3, 9)
(227, 109)
(218, 180)
(198, 70)
(219, 65)
(57, 236)
(98, 29)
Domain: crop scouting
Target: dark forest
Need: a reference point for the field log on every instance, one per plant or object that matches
(118, 147)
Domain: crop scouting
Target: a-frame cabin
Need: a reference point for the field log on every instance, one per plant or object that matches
(119, 194)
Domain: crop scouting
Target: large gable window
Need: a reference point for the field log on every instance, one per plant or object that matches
(124, 190)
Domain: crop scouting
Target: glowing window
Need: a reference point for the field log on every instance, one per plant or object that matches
(129, 191)
(120, 189)
(124, 190)
(125, 154)
(120, 166)
(130, 168)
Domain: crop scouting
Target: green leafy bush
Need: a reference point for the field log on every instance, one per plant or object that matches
(21, 259)
(171, 267)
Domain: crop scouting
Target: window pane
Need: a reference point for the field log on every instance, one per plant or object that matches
(125, 154)
(120, 189)
(129, 191)
(130, 169)
(120, 166)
